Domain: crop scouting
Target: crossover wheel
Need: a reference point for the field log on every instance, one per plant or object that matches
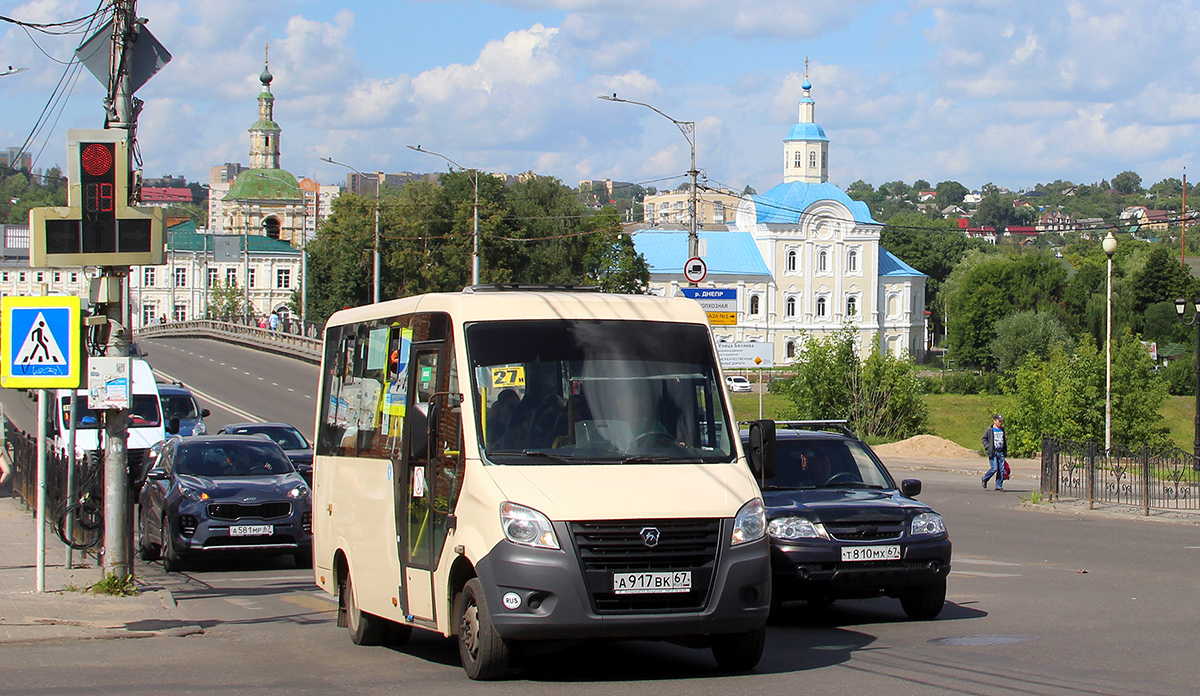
(925, 603)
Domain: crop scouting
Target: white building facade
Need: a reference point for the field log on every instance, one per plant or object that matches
(805, 261)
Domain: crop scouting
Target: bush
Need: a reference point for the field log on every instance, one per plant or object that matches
(1180, 379)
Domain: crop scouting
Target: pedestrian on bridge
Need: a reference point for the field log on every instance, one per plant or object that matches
(274, 321)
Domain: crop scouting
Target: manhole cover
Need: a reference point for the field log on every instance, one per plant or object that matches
(981, 640)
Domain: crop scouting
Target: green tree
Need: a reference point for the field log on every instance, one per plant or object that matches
(950, 193)
(1127, 183)
(226, 301)
(1026, 334)
(1161, 279)
(880, 396)
(1063, 396)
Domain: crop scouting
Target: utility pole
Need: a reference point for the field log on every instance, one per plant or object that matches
(115, 554)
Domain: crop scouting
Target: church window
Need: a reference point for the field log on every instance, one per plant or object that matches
(852, 262)
(812, 159)
(823, 261)
(790, 308)
(799, 160)
(180, 277)
(271, 227)
(147, 276)
(754, 302)
(791, 261)
(851, 306)
(821, 307)
(824, 165)
(789, 349)
(212, 278)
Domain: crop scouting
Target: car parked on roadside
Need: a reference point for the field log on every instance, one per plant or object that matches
(295, 446)
(182, 414)
(841, 528)
(212, 495)
(737, 383)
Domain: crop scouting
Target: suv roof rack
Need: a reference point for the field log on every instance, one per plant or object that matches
(839, 425)
(508, 287)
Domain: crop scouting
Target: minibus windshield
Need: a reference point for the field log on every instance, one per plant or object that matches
(587, 391)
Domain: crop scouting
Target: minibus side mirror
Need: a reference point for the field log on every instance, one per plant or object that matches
(761, 450)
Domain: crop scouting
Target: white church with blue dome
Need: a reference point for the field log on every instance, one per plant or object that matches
(804, 259)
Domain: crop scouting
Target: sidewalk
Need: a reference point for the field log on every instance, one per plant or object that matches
(65, 611)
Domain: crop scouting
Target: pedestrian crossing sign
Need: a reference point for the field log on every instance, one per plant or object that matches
(40, 342)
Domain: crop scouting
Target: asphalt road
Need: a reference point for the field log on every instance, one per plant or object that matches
(1041, 601)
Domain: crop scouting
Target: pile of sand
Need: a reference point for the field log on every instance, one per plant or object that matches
(924, 446)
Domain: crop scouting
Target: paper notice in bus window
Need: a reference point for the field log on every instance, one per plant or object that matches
(513, 376)
(418, 482)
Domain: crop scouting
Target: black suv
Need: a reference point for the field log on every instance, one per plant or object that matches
(840, 528)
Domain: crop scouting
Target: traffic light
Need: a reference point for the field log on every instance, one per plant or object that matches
(99, 227)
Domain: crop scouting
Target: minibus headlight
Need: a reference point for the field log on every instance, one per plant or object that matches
(527, 527)
(750, 524)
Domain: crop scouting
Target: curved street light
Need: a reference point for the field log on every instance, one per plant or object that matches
(1180, 306)
(378, 185)
(474, 215)
(688, 128)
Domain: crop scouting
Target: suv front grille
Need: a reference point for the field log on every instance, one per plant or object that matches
(879, 530)
(237, 511)
(607, 547)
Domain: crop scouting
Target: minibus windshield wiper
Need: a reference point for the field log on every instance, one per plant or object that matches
(535, 453)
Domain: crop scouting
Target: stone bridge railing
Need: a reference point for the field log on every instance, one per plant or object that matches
(296, 343)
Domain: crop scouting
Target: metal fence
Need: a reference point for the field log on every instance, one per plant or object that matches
(87, 482)
(1144, 477)
(303, 343)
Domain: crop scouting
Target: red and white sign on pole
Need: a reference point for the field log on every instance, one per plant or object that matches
(695, 270)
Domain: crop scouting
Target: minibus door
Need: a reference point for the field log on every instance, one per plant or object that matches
(434, 465)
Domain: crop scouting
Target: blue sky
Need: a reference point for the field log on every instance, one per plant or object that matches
(1013, 92)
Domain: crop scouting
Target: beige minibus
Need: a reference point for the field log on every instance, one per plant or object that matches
(521, 467)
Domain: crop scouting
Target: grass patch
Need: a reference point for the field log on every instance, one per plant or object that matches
(774, 406)
(115, 586)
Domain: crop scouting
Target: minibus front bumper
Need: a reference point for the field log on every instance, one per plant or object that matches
(540, 594)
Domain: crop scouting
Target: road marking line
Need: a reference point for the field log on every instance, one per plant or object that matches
(981, 574)
(982, 561)
(212, 399)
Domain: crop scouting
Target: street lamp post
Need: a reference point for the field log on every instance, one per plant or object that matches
(378, 185)
(1110, 248)
(474, 215)
(688, 128)
(1180, 306)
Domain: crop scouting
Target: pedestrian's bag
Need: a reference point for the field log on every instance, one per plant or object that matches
(1007, 470)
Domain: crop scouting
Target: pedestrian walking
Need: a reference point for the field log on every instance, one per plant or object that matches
(994, 444)
(274, 321)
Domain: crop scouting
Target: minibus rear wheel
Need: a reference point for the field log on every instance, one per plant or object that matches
(483, 652)
(365, 629)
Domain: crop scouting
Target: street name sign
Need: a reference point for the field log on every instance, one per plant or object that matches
(40, 342)
(719, 303)
(746, 355)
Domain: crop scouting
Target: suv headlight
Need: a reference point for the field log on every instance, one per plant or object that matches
(750, 523)
(527, 527)
(791, 528)
(298, 492)
(191, 493)
(199, 428)
(928, 523)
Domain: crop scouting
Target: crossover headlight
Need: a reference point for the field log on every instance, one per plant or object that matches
(191, 493)
(200, 428)
(750, 523)
(928, 523)
(792, 528)
(527, 527)
(298, 492)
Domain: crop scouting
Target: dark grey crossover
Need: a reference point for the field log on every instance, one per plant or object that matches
(223, 494)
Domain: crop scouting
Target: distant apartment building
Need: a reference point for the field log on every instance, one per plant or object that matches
(165, 197)
(1056, 221)
(225, 173)
(712, 207)
(604, 187)
(13, 158)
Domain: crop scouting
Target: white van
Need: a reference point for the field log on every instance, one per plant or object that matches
(518, 467)
(145, 422)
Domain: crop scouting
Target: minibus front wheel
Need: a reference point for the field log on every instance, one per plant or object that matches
(365, 629)
(483, 652)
